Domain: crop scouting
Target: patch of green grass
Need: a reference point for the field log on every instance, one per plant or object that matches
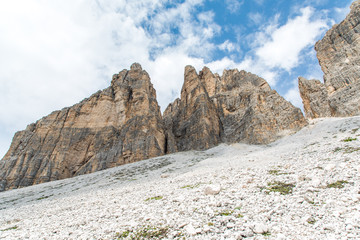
(10, 228)
(191, 186)
(266, 234)
(276, 172)
(280, 187)
(337, 184)
(210, 224)
(154, 198)
(147, 232)
(43, 197)
(226, 213)
(349, 139)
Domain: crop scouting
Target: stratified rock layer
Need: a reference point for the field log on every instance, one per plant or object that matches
(118, 125)
(339, 58)
(238, 107)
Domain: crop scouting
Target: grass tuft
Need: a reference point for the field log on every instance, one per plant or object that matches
(337, 184)
(349, 139)
(147, 232)
(154, 198)
(280, 187)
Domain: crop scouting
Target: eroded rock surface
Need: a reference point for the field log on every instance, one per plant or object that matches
(238, 107)
(118, 125)
(193, 121)
(339, 58)
(123, 124)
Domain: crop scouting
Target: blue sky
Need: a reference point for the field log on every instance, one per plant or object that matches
(55, 53)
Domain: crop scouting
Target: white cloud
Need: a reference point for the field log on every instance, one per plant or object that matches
(255, 18)
(227, 46)
(234, 5)
(287, 42)
(259, 2)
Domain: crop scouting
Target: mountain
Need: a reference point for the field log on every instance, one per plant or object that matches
(123, 124)
(339, 58)
(118, 125)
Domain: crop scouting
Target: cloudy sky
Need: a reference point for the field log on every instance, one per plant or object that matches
(55, 53)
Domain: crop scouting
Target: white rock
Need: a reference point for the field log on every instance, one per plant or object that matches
(230, 225)
(330, 167)
(190, 230)
(212, 190)
(260, 228)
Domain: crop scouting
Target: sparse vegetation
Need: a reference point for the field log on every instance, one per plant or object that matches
(147, 232)
(266, 234)
(337, 184)
(43, 197)
(351, 149)
(226, 213)
(276, 172)
(191, 186)
(347, 149)
(10, 228)
(154, 198)
(349, 139)
(280, 187)
(210, 224)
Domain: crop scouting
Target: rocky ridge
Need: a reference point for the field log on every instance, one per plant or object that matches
(338, 55)
(123, 124)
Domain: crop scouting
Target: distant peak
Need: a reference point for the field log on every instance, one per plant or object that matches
(136, 66)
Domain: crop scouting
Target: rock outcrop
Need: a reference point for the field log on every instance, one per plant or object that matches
(192, 121)
(339, 58)
(238, 107)
(118, 125)
(123, 124)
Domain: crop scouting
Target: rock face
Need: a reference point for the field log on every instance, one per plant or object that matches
(192, 121)
(339, 58)
(238, 107)
(118, 125)
(123, 124)
(315, 98)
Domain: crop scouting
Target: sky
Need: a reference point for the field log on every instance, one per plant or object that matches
(55, 53)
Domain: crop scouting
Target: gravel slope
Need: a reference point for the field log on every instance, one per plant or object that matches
(305, 186)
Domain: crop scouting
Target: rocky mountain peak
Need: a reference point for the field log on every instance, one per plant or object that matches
(338, 55)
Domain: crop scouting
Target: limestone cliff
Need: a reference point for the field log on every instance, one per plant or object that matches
(192, 121)
(118, 125)
(123, 124)
(339, 58)
(238, 107)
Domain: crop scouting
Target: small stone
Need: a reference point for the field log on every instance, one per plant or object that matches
(330, 167)
(206, 228)
(212, 190)
(230, 225)
(190, 230)
(260, 228)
